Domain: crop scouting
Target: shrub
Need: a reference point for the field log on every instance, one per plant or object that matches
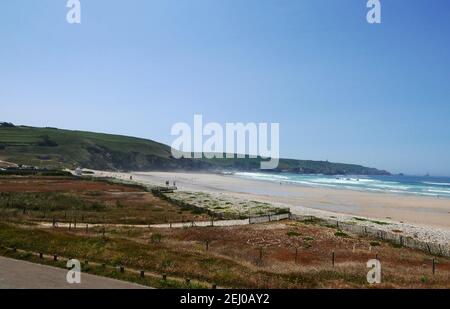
(341, 234)
(47, 142)
(97, 206)
(156, 238)
(359, 219)
(119, 204)
(379, 222)
(7, 125)
(293, 234)
(395, 245)
(307, 245)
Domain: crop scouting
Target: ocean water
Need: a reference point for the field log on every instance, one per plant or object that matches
(426, 186)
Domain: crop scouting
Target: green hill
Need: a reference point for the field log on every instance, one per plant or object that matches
(56, 148)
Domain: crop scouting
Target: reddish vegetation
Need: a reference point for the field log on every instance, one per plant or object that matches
(315, 245)
(259, 255)
(120, 203)
(58, 184)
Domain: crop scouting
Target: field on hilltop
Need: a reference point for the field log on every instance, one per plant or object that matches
(57, 148)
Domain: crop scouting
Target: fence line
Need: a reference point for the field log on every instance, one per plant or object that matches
(368, 231)
(121, 268)
(187, 224)
(268, 218)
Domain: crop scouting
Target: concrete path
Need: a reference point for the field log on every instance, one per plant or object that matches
(15, 274)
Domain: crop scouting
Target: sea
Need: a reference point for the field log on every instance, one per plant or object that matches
(438, 187)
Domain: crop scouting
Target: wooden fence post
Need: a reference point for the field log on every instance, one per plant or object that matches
(332, 258)
(434, 266)
(142, 274)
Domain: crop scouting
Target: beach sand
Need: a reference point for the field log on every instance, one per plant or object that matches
(412, 209)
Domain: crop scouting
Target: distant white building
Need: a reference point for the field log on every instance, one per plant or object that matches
(78, 172)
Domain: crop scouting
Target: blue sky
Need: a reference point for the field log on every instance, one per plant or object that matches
(342, 90)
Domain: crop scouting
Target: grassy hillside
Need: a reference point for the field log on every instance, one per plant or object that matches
(56, 148)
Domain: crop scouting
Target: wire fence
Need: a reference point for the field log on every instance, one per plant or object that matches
(367, 231)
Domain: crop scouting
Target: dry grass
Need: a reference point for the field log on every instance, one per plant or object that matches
(255, 256)
(69, 199)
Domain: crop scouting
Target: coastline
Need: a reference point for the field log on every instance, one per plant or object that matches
(422, 218)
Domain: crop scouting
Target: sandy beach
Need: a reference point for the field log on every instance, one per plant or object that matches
(416, 210)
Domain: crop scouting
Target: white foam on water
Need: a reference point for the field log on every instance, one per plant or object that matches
(436, 183)
(354, 183)
(439, 191)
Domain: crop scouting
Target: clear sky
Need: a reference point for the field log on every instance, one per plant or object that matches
(341, 89)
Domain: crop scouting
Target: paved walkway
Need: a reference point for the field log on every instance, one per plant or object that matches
(15, 274)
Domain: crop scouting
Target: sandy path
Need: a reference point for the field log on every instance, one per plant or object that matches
(158, 226)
